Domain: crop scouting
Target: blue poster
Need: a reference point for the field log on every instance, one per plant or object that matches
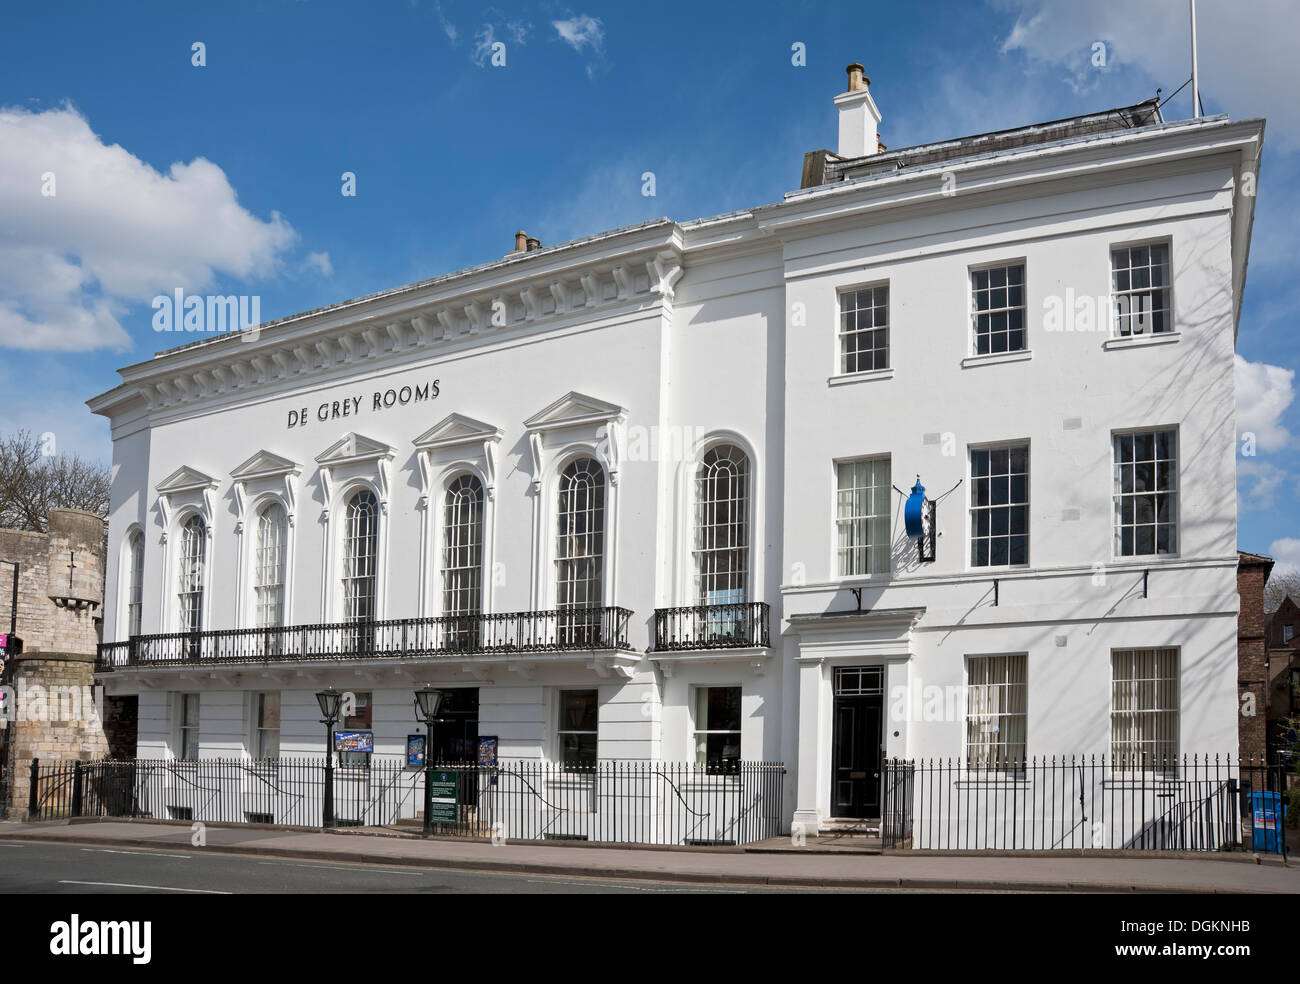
(487, 750)
(414, 751)
(354, 741)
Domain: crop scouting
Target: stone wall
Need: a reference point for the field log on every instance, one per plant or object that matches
(53, 714)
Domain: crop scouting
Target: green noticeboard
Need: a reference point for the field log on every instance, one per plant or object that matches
(443, 787)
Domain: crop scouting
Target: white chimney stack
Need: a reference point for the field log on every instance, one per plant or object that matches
(859, 116)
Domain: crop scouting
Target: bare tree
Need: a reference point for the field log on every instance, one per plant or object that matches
(1285, 580)
(32, 482)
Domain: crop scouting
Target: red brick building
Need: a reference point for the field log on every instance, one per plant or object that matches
(1252, 656)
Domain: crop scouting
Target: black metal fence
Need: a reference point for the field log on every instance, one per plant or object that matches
(1071, 803)
(610, 801)
(548, 631)
(712, 627)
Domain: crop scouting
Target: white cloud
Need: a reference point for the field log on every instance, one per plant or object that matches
(1286, 552)
(1257, 484)
(483, 42)
(584, 32)
(115, 232)
(1263, 394)
(581, 32)
(319, 263)
(1247, 63)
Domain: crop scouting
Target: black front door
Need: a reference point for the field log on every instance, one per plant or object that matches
(455, 736)
(858, 712)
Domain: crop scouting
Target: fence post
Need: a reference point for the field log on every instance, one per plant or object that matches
(76, 789)
(32, 782)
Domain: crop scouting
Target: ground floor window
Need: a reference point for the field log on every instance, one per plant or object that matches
(189, 727)
(361, 719)
(996, 700)
(1144, 708)
(266, 726)
(717, 728)
(579, 715)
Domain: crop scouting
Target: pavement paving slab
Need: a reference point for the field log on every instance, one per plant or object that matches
(813, 868)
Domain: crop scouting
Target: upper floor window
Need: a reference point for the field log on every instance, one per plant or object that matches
(998, 308)
(1288, 633)
(1144, 708)
(580, 536)
(462, 547)
(135, 586)
(1146, 493)
(268, 590)
(864, 329)
(1139, 286)
(360, 556)
(999, 505)
(194, 537)
(862, 501)
(722, 527)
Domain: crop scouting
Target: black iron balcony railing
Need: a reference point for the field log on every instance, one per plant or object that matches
(579, 629)
(740, 626)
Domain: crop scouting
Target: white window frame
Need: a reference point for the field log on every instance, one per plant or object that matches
(561, 730)
(133, 581)
(275, 589)
(699, 708)
(989, 699)
(842, 334)
(258, 730)
(1118, 496)
(185, 539)
(1126, 751)
(184, 726)
(972, 523)
(1116, 293)
(872, 517)
(711, 564)
(974, 311)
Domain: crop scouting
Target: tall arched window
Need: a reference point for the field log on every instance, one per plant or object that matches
(268, 588)
(135, 584)
(360, 562)
(462, 556)
(722, 527)
(194, 537)
(580, 549)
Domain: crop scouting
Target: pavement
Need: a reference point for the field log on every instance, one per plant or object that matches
(795, 868)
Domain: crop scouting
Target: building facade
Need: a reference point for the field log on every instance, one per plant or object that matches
(644, 495)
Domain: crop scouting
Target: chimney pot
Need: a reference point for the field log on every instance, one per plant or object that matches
(534, 243)
(857, 80)
(521, 241)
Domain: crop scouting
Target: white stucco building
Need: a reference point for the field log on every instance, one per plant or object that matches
(636, 496)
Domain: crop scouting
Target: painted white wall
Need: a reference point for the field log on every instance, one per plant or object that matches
(745, 343)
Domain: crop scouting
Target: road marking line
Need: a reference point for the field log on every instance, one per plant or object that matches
(142, 851)
(156, 888)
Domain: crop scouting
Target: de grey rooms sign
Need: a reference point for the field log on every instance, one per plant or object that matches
(355, 405)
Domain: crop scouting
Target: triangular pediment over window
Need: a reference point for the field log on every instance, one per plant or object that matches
(574, 409)
(456, 429)
(186, 479)
(352, 447)
(265, 464)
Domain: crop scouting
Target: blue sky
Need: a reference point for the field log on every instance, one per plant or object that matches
(226, 178)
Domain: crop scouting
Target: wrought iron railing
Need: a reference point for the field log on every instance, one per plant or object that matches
(618, 801)
(1056, 803)
(739, 626)
(580, 629)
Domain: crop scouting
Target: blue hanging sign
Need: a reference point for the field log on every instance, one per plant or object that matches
(913, 510)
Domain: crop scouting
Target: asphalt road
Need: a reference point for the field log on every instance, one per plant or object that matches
(74, 869)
